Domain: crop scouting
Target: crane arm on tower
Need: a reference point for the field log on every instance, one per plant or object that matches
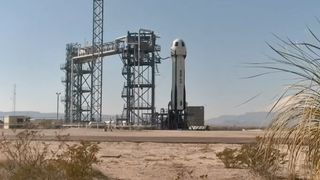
(86, 54)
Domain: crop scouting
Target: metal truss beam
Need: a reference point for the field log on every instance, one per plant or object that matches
(97, 63)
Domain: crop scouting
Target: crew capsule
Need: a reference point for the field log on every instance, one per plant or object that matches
(178, 48)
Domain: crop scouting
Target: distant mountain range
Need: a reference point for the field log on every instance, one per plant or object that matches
(39, 115)
(250, 119)
(32, 114)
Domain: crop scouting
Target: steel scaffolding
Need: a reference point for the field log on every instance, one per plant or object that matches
(83, 82)
(139, 54)
(139, 62)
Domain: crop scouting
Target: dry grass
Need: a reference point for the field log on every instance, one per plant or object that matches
(297, 124)
(296, 127)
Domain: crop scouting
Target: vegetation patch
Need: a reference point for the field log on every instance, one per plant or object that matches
(296, 126)
(249, 156)
(28, 159)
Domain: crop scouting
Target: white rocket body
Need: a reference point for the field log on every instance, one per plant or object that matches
(178, 92)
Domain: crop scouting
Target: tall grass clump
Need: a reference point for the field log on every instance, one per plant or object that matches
(296, 127)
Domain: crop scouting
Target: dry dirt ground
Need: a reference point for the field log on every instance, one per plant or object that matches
(123, 160)
(160, 155)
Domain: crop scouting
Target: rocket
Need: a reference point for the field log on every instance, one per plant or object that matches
(178, 90)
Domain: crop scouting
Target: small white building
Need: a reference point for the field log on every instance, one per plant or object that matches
(10, 122)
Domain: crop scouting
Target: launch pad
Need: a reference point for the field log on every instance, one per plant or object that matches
(139, 53)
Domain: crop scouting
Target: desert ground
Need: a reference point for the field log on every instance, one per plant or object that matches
(165, 155)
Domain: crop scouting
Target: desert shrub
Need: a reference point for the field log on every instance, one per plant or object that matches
(266, 164)
(229, 157)
(77, 161)
(27, 159)
(249, 156)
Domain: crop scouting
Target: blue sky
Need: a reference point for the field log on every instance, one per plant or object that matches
(221, 35)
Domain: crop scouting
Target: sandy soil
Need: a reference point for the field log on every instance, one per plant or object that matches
(151, 133)
(137, 160)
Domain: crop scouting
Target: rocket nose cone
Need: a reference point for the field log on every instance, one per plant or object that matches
(178, 43)
(178, 47)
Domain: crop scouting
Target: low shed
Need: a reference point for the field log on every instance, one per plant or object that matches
(195, 115)
(12, 122)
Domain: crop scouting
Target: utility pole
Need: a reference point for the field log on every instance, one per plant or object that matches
(58, 95)
(14, 99)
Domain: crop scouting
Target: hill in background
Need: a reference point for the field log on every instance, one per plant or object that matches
(39, 115)
(250, 119)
